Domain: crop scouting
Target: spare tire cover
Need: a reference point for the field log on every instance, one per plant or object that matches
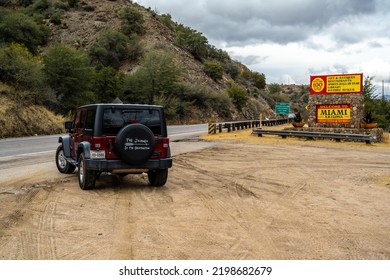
(134, 143)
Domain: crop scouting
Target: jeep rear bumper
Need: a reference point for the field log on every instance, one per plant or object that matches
(109, 165)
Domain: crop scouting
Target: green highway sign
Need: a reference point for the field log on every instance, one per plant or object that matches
(282, 108)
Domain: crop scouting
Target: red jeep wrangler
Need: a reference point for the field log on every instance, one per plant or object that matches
(116, 138)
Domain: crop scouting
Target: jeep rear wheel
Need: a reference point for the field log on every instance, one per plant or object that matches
(135, 143)
(86, 177)
(62, 164)
(158, 178)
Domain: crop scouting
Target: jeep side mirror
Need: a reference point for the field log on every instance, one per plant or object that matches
(69, 125)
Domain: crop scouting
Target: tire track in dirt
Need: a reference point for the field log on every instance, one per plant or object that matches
(243, 203)
(228, 202)
(121, 247)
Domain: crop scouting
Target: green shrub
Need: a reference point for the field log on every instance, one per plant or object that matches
(132, 21)
(55, 18)
(19, 28)
(107, 84)
(73, 3)
(40, 6)
(206, 99)
(239, 95)
(166, 19)
(254, 79)
(69, 75)
(110, 49)
(213, 69)
(157, 75)
(192, 40)
(24, 71)
(231, 69)
(20, 68)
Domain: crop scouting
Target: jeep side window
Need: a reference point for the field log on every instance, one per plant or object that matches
(76, 120)
(90, 121)
(82, 118)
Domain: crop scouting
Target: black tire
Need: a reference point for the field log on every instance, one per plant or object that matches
(158, 178)
(62, 164)
(135, 143)
(86, 177)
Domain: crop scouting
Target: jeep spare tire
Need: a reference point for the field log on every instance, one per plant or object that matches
(134, 143)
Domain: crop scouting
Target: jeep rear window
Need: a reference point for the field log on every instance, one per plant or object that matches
(114, 119)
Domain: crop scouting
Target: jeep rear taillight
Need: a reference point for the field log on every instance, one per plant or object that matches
(161, 148)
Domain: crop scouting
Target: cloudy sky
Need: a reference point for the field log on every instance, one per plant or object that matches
(289, 40)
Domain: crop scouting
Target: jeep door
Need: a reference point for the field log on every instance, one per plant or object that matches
(83, 128)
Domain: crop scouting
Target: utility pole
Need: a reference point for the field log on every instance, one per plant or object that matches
(383, 90)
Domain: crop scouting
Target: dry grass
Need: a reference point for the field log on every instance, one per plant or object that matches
(246, 136)
(19, 120)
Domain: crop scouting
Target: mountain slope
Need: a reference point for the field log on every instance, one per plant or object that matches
(82, 27)
(236, 94)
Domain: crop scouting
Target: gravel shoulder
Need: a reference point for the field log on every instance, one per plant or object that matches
(239, 197)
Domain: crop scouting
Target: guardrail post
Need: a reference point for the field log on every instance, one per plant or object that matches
(220, 128)
(212, 128)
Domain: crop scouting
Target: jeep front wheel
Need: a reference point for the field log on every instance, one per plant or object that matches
(158, 178)
(62, 164)
(86, 177)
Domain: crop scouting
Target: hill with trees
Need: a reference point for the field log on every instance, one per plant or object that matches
(60, 54)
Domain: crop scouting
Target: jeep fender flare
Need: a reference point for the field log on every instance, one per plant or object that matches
(65, 141)
(84, 147)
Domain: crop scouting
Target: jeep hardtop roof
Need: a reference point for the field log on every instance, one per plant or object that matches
(114, 105)
(157, 125)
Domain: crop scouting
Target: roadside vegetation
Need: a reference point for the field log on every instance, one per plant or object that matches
(61, 77)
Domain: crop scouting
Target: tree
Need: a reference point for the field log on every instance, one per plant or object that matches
(69, 75)
(107, 84)
(24, 71)
(22, 29)
(239, 95)
(110, 49)
(255, 79)
(193, 41)
(379, 108)
(20, 68)
(158, 75)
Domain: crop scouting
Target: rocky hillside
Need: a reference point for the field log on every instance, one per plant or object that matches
(210, 83)
(83, 26)
(25, 120)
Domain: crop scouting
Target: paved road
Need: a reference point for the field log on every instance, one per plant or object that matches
(26, 146)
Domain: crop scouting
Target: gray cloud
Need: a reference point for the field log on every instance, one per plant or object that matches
(329, 36)
(280, 21)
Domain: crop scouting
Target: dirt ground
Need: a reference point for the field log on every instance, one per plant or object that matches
(245, 197)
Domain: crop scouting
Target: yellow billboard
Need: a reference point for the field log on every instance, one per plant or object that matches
(340, 113)
(343, 83)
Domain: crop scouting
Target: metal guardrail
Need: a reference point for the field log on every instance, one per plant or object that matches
(238, 125)
(368, 138)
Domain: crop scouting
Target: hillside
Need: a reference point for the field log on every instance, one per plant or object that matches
(21, 120)
(85, 25)
(123, 50)
(82, 27)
